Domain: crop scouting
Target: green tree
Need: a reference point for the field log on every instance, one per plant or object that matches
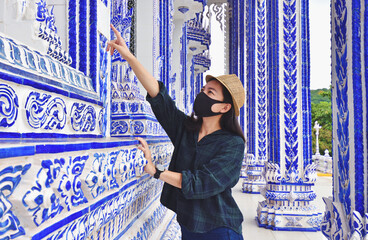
(320, 95)
(322, 112)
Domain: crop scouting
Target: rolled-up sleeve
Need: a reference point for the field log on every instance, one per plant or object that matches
(219, 173)
(166, 112)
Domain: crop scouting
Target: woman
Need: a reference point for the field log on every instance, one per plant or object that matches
(208, 153)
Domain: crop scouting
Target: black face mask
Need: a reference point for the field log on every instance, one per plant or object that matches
(203, 104)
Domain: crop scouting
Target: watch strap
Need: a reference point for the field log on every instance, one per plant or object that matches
(157, 174)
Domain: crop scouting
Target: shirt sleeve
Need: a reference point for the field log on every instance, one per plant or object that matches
(166, 112)
(220, 173)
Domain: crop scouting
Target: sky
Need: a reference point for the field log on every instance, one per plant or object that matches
(320, 42)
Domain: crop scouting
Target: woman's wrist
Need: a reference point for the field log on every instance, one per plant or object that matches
(151, 168)
(129, 57)
(153, 171)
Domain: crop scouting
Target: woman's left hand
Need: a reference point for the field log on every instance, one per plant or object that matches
(149, 168)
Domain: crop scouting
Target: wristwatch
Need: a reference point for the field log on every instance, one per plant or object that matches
(159, 170)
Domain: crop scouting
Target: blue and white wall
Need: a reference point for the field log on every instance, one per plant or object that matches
(69, 112)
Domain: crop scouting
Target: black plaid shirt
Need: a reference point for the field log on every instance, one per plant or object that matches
(210, 168)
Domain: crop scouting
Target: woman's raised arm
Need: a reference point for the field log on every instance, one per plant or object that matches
(147, 80)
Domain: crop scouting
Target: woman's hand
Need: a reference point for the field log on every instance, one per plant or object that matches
(118, 44)
(145, 77)
(149, 168)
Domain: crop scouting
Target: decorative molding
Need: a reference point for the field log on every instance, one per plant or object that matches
(111, 219)
(121, 18)
(276, 212)
(82, 36)
(70, 182)
(334, 224)
(46, 30)
(103, 83)
(119, 127)
(201, 62)
(104, 2)
(290, 87)
(83, 117)
(85, 194)
(20, 57)
(256, 97)
(173, 231)
(261, 96)
(9, 179)
(45, 112)
(8, 106)
(102, 175)
(41, 200)
(340, 62)
(219, 10)
(253, 174)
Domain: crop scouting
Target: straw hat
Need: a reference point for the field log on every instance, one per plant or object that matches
(235, 88)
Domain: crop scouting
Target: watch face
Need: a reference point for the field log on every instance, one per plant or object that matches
(160, 167)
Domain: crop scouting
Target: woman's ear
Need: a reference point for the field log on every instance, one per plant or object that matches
(226, 108)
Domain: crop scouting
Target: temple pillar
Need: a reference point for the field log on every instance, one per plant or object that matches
(236, 44)
(253, 180)
(290, 173)
(346, 212)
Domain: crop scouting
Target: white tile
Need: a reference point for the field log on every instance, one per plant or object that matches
(286, 235)
(315, 236)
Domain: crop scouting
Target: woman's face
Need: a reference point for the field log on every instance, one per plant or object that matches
(213, 89)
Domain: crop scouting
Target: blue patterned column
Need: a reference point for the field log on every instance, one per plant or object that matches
(256, 97)
(194, 59)
(166, 28)
(82, 38)
(237, 45)
(346, 215)
(290, 173)
(184, 66)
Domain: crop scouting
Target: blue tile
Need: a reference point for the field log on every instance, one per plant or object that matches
(60, 224)
(102, 201)
(78, 147)
(50, 148)
(17, 151)
(9, 135)
(46, 84)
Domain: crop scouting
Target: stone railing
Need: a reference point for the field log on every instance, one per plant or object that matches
(323, 162)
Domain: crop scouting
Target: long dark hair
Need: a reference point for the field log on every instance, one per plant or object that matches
(228, 121)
